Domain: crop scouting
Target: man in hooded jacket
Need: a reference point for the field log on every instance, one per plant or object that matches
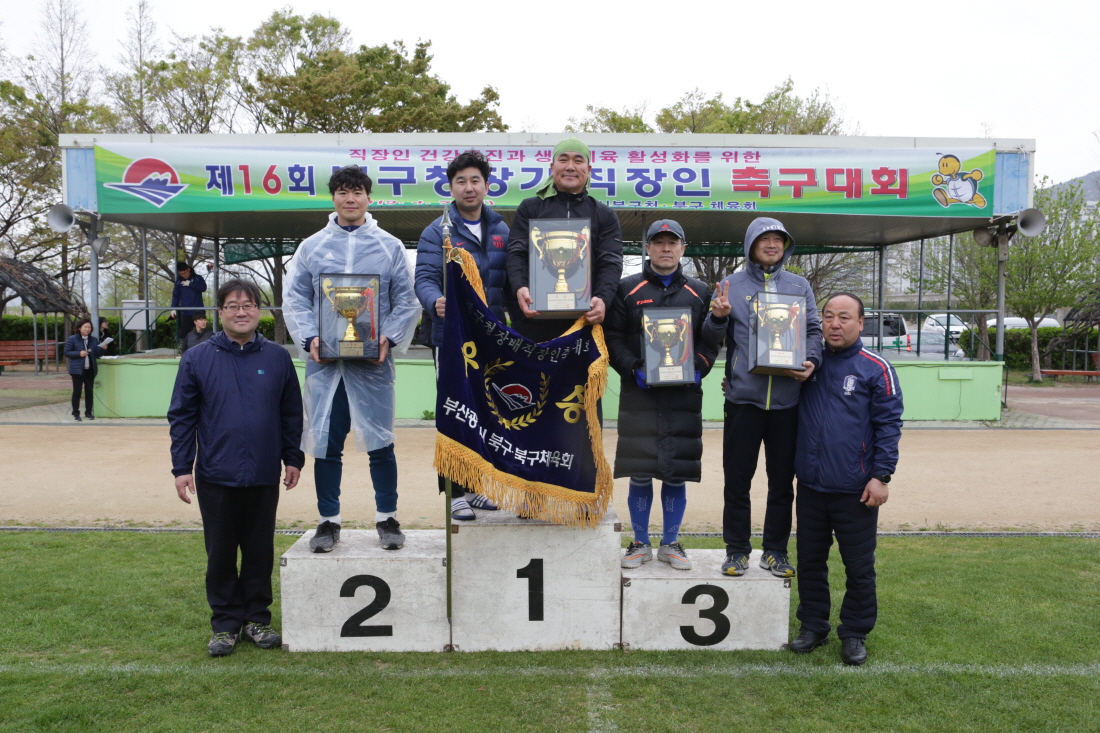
(344, 395)
(760, 408)
(564, 196)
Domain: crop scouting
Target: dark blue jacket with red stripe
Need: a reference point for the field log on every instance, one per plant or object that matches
(849, 421)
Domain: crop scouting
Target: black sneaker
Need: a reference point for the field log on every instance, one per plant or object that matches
(853, 651)
(262, 635)
(222, 644)
(807, 641)
(89, 415)
(325, 538)
(735, 565)
(76, 416)
(777, 563)
(389, 533)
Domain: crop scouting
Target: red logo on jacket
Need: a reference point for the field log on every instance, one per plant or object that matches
(643, 302)
(498, 241)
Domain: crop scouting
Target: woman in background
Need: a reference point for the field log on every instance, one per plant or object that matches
(82, 349)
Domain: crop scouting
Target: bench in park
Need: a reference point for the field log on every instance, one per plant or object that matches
(1069, 373)
(13, 352)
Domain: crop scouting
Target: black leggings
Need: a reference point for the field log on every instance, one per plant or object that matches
(85, 380)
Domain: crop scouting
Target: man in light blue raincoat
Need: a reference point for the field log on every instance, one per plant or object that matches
(345, 395)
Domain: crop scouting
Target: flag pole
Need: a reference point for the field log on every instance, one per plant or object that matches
(446, 224)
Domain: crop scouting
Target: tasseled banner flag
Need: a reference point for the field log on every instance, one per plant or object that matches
(518, 420)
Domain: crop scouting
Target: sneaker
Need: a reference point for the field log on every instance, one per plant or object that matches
(460, 509)
(89, 415)
(777, 563)
(735, 565)
(262, 635)
(222, 644)
(389, 532)
(325, 538)
(480, 501)
(674, 555)
(637, 554)
(76, 416)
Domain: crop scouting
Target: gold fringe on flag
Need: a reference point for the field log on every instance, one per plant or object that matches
(534, 499)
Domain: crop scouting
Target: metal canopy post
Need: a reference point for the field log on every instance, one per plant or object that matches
(217, 277)
(920, 300)
(145, 287)
(1002, 262)
(34, 320)
(881, 293)
(950, 263)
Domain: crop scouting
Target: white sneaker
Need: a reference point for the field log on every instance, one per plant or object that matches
(674, 555)
(461, 510)
(636, 554)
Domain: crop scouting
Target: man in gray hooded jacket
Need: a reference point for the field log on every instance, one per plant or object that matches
(760, 408)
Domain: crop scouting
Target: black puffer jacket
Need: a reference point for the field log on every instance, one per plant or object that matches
(660, 428)
(607, 253)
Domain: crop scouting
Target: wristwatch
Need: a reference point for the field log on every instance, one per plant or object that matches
(883, 477)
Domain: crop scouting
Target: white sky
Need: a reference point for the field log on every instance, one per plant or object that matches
(1022, 69)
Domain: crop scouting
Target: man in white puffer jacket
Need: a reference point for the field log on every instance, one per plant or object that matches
(345, 395)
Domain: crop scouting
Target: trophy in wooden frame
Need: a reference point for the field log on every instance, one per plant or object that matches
(348, 325)
(778, 333)
(668, 346)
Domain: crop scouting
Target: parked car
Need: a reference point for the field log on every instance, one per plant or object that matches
(932, 342)
(895, 332)
(936, 322)
(1017, 322)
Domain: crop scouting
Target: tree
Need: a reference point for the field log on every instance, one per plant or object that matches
(1057, 268)
(605, 119)
(376, 88)
(970, 271)
(129, 89)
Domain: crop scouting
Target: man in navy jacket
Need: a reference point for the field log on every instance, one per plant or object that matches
(187, 293)
(238, 406)
(483, 233)
(849, 425)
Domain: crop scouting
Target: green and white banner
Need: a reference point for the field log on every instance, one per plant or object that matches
(136, 178)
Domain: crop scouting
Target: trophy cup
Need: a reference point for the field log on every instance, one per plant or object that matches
(777, 315)
(350, 301)
(664, 330)
(560, 250)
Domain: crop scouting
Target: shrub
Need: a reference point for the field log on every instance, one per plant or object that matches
(1018, 345)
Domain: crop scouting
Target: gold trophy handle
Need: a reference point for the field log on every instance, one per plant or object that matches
(584, 243)
(646, 326)
(536, 235)
(326, 288)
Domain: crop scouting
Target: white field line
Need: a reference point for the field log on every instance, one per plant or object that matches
(599, 703)
(214, 669)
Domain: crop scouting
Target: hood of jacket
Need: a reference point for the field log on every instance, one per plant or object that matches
(757, 227)
(368, 224)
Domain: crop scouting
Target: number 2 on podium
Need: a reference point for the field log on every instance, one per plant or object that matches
(533, 572)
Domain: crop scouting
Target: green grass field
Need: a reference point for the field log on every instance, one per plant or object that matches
(108, 631)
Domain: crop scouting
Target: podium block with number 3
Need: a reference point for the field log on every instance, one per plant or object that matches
(528, 585)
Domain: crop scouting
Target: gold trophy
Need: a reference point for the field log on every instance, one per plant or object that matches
(776, 318)
(560, 250)
(349, 301)
(666, 332)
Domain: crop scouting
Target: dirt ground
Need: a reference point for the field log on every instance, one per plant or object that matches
(958, 479)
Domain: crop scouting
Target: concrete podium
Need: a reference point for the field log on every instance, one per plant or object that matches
(360, 597)
(703, 609)
(521, 584)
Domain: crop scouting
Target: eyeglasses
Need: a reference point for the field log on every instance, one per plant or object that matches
(233, 307)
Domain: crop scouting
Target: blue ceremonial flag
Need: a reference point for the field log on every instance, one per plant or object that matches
(518, 420)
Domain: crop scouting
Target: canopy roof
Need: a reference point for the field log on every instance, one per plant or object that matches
(1010, 190)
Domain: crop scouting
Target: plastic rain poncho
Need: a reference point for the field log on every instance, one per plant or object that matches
(367, 250)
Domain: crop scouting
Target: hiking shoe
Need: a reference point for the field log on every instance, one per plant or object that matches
(777, 563)
(480, 501)
(637, 554)
(389, 532)
(262, 635)
(325, 538)
(222, 644)
(853, 651)
(735, 565)
(460, 509)
(674, 555)
(807, 641)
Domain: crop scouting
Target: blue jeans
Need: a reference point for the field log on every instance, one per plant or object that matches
(328, 471)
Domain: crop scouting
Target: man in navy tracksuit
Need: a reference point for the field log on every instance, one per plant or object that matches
(237, 404)
(483, 233)
(849, 424)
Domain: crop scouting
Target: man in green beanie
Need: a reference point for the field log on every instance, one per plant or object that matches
(564, 196)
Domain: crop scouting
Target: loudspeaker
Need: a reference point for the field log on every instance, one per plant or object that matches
(99, 244)
(61, 218)
(1031, 222)
(984, 237)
